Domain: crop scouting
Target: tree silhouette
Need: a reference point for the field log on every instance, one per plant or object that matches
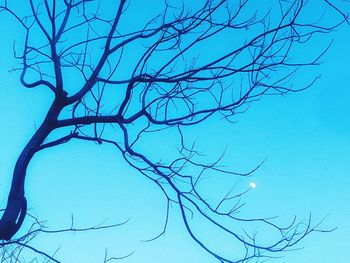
(114, 81)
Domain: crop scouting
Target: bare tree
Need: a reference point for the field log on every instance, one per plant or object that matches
(114, 82)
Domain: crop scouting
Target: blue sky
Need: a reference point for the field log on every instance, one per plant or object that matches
(304, 137)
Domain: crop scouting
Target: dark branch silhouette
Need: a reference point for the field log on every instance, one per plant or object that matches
(16, 250)
(116, 86)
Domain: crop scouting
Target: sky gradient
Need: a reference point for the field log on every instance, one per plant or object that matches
(304, 137)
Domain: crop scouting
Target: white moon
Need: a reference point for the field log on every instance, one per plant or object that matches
(252, 185)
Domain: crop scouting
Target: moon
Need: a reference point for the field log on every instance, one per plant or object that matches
(252, 185)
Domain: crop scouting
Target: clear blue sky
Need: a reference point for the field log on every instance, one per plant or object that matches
(305, 138)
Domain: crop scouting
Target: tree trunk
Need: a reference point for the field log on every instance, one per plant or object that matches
(16, 207)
